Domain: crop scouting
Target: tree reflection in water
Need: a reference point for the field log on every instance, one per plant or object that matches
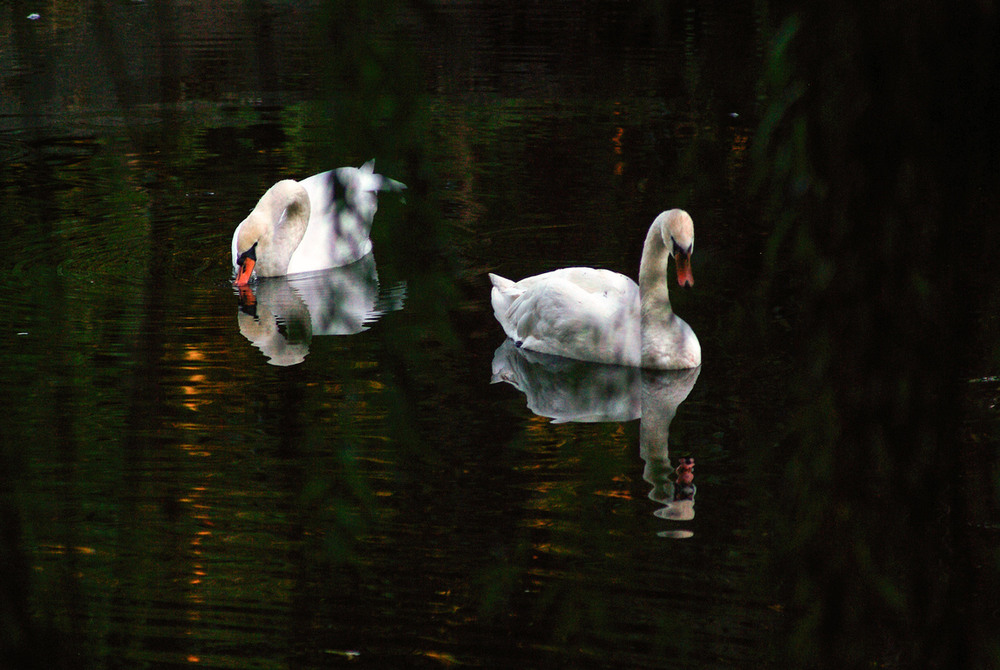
(877, 150)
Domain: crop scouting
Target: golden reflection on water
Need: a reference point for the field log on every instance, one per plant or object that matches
(197, 391)
(622, 493)
(197, 388)
(62, 550)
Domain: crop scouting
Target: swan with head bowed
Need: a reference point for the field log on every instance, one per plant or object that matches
(605, 317)
(318, 223)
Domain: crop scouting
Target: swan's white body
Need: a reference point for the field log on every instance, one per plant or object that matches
(603, 316)
(318, 223)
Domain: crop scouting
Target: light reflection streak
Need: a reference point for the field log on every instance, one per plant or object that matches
(616, 141)
(198, 389)
(197, 392)
(62, 550)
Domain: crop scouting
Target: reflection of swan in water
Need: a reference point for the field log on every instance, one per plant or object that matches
(568, 390)
(281, 315)
(662, 393)
(564, 389)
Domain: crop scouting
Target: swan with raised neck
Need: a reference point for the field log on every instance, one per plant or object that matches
(604, 316)
(668, 342)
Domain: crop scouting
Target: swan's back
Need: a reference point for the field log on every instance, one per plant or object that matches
(581, 313)
(343, 205)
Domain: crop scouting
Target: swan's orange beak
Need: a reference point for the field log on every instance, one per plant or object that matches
(245, 271)
(245, 264)
(684, 275)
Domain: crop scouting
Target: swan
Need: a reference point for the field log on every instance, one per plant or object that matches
(605, 317)
(318, 223)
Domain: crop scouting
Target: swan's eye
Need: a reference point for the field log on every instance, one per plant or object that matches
(680, 252)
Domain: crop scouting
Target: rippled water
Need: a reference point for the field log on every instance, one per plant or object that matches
(351, 468)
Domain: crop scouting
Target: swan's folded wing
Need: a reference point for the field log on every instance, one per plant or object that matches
(338, 229)
(605, 283)
(572, 313)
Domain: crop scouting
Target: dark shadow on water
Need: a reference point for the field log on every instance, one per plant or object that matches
(879, 161)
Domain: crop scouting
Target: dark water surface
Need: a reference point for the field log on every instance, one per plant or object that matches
(186, 483)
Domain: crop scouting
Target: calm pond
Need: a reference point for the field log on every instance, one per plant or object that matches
(354, 469)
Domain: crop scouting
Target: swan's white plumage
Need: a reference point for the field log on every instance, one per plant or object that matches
(320, 222)
(570, 312)
(603, 316)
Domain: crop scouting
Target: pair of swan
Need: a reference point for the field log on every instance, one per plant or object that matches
(581, 313)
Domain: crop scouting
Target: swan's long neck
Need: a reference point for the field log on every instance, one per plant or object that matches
(653, 292)
(667, 342)
(280, 218)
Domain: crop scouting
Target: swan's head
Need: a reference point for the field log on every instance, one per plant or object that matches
(245, 263)
(677, 229)
(265, 240)
(244, 251)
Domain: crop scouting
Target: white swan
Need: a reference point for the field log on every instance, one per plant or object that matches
(318, 223)
(603, 316)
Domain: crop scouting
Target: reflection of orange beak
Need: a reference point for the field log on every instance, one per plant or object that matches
(247, 297)
(684, 276)
(245, 271)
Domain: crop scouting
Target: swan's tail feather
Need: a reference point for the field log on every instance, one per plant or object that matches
(366, 179)
(499, 282)
(391, 185)
(503, 294)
